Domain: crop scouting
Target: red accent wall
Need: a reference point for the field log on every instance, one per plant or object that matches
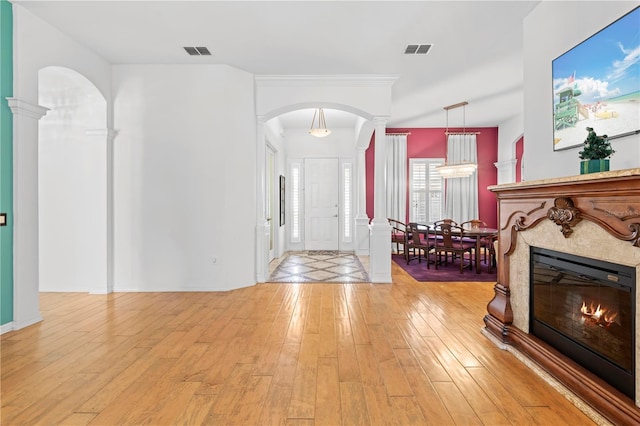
(519, 153)
(432, 143)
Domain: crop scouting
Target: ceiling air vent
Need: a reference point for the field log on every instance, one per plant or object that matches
(417, 49)
(197, 51)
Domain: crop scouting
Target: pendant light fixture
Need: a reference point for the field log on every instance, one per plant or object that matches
(320, 130)
(463, 168)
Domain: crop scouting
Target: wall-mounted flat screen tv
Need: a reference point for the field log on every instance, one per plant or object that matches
(597, 84)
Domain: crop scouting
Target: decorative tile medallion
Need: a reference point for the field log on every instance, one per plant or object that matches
(320, 266)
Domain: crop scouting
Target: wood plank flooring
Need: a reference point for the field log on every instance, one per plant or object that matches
(272, 354)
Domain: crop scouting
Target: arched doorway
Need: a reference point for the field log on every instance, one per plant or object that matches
(73, 184)
(320, 179)
(367, 96)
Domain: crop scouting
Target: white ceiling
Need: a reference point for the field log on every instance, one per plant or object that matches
(476, 54)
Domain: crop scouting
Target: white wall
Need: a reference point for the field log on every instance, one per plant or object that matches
(551, 29)
(184, 178)
(509, 133)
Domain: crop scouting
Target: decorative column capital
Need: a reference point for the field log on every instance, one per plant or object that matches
(27, 109)
(109, 134)
(381, 120)
(505, 164)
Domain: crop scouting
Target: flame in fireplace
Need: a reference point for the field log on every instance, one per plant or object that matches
(601, 316)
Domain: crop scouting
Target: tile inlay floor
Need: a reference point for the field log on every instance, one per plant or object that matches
(319, 266)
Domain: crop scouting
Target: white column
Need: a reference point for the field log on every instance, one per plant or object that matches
(26, 305)
(105, 137)
(262, 225)
(361, 242)
(380, 236)
(506, 171)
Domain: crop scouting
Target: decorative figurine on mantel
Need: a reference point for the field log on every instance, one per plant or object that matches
(596, 153)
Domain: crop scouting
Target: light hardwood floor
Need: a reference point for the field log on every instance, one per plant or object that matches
(405, 353)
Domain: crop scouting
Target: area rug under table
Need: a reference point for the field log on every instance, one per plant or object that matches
(320, 266)
(445, 272)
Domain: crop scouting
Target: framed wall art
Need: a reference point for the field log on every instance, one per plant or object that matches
(282, 204)
(597, 84)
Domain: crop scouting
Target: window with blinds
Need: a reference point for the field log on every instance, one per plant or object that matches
(295, 202)
(346, 201)
(426, 190)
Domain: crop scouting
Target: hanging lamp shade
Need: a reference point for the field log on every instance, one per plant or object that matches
(459, 169)
(319, 129)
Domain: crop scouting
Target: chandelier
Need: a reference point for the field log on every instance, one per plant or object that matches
(463, 168)
(456, 170)
(320, 131)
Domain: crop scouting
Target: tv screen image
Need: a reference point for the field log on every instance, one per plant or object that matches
(597, 84)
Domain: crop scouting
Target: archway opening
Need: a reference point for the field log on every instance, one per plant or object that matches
(72, 182)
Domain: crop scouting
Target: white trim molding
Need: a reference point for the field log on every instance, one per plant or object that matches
(5, 328)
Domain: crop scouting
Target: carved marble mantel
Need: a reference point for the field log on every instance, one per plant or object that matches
(609, 201)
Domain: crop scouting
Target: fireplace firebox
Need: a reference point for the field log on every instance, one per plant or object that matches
(585, 308)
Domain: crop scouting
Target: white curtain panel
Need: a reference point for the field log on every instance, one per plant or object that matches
(461, 201)
(397, 177)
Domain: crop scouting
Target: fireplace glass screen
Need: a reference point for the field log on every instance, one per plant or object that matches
(585, 309)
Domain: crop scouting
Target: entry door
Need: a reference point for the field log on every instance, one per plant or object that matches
(321, 203)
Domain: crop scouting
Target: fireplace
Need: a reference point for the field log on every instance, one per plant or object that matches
(585, 308)
(595, 216)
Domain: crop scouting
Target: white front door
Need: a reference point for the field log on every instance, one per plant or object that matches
(321, 203)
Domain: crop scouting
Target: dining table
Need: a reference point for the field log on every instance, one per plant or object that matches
(476, 233)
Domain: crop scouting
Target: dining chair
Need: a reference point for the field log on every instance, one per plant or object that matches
(485, 242)
(447, 220)
(474, 223)
(453, 242)
(417, 243)
(399, 234)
